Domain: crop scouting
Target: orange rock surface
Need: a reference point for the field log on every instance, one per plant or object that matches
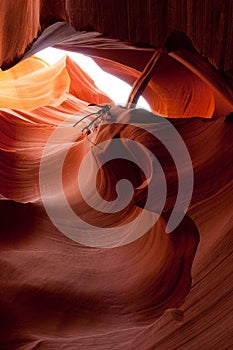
(161, 291)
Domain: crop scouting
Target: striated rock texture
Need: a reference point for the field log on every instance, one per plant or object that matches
(161, 291)
(207, 23)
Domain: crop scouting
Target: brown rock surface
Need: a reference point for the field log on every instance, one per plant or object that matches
(162, 291)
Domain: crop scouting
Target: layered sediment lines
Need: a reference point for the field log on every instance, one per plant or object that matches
(161, 291)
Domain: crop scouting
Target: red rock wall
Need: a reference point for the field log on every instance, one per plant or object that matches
(162, 291)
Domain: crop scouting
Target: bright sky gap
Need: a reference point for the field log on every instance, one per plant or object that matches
(117, 89)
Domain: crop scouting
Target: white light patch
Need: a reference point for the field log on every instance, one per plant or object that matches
(117, 89)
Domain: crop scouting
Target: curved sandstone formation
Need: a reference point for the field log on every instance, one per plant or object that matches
(160, 291)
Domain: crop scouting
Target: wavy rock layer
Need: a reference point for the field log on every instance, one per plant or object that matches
(207, 23)
(162, 291)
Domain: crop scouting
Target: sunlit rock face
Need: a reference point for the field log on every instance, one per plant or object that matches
(159, 291)
(208, 25)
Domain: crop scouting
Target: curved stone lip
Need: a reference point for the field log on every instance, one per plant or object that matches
(70, 224)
